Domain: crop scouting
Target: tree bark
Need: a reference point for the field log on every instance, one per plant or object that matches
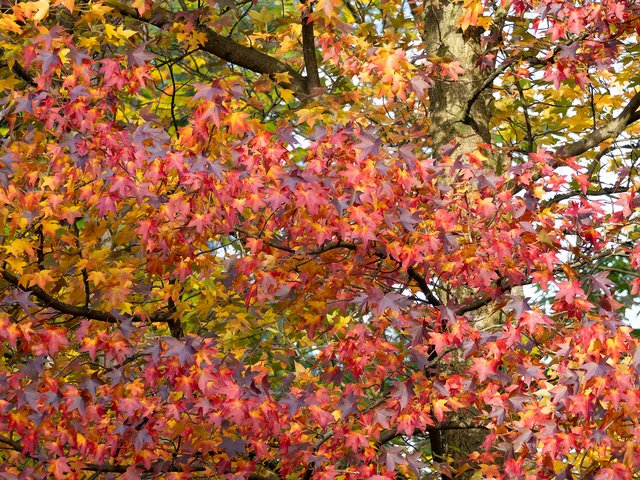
(453, 120)
(448, 98)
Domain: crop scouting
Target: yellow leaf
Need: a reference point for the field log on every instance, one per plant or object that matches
(286, 94)
(118, 35)
(20, 246)
(263, 16)
(126, 308)
(83, 263)
(62, 53)
(559, 466)
(288, 44)
(310, 115)
(300, 369)
(97, 11)
(539, 191)
(9, 83)
(122, 32)
(90, 43)
(97, 278)
(282, 77)
(49, 227)
(7, 24)
(42, 10)
(110, 31)
(16, 265)
(485, 22)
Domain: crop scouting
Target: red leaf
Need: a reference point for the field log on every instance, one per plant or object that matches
(59, 467)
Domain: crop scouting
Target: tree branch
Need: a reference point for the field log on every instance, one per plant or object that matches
(222, 47)
(592, 192)
(175, 325)
(611, 130)
(437, 447)
(11, 443)
(325, 247)
(527, 119)
(424, 287)
(388, 435)
(107, 468)
(488, 82)
(21, 72)
(474, 305)
(309, 49)
(47, 300)
(357, 14)
(483, 301)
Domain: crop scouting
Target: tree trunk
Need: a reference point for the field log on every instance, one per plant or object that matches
(448, 99)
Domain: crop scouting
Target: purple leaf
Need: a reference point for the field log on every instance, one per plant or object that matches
(393, 456)
(599, 281)
(233, 447)
(402, 393)
(517, 304)
(139, 56)
(183, 350)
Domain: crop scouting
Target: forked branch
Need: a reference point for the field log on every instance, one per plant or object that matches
(612, 129)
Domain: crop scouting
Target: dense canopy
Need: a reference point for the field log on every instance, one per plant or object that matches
(319, 239)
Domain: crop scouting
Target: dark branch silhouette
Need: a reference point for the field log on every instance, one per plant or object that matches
(222, 47)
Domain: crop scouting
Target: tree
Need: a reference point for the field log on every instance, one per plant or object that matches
(319, 239)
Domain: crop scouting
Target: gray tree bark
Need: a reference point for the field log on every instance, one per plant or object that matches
(452, 120)
(448, 98)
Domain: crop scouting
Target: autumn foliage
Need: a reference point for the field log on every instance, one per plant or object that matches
(319, 239)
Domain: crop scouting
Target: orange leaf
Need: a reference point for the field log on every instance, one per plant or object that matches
(69, 4)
